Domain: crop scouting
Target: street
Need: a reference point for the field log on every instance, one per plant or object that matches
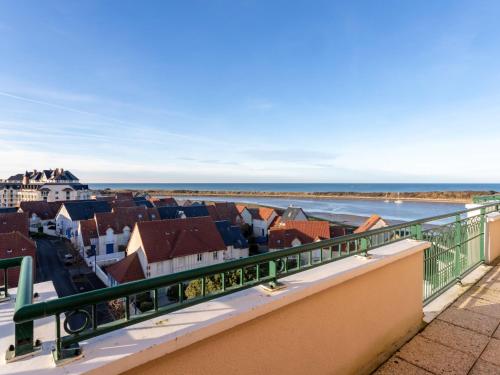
(49, 266)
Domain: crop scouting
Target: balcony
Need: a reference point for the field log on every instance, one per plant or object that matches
(346, 311)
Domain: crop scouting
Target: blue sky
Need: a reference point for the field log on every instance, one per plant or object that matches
(252, 91)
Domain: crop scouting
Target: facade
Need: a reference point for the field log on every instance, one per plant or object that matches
(42, 215)
(50, 185)
(169, 246)
(246, 216)
(262, 220)
(114, 228)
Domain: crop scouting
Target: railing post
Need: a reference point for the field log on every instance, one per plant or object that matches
(363, 246)
(23, 332)
(273, 284)
(482, 237)
(416, 231)
(458, 245)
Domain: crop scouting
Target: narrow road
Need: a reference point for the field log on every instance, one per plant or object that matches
(50, 267)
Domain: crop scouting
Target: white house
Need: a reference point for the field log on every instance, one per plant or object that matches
(114, 228)
(70, 213)
(170, 246)
(262, 218)
(236, 244)
(42, 215)
(245, 214)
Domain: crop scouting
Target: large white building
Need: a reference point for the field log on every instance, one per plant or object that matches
(50, 185)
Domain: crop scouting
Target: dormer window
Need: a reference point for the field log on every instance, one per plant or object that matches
(9, 251)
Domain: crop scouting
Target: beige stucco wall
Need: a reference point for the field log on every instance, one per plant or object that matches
(349, 328)
(492, 237)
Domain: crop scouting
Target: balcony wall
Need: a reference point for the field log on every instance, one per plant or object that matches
(492, 237)
(346, 317)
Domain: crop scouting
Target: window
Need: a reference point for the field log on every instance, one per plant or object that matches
(215, 255)
(9, 251)
(199, 257)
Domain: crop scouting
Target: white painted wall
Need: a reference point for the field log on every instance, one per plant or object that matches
(260, 227)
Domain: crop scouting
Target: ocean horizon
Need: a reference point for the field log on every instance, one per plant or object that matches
(304, 187)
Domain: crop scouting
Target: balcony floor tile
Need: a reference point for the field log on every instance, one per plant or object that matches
(435, 357)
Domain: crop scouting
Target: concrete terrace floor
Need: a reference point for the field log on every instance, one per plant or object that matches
(463, 339)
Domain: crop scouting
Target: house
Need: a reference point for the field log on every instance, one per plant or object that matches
(245, 214)
(114, 228)
(126, 270)
(88, 238)
(14, 222)
(16, 244)
(180, 212)
(49, 185)
(262, 218)
(236, 244)
(373, 222)
(293, 214)
(168, 246)
(70, 213)
(225, 211)
(42, 215)
(297, 233)
(164, 202)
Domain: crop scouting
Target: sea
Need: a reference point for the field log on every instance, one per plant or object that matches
(408, 210)
(303, 187)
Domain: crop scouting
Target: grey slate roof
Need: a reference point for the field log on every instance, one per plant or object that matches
(231, 234)
(83, 210)
(291, 213)
(176, 211)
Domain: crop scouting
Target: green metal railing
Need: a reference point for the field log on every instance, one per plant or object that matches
(5, 265)
(481, 199)
(457, 247)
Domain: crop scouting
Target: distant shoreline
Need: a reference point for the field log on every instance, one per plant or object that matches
(435, 196)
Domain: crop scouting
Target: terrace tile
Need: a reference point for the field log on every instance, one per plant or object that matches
(470, 320)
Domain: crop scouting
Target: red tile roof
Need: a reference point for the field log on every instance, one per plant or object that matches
(44, 210)
(121, 217)
(305, 231)
(15, 244)
(368, 224)
(88, 230)
(14, 221)
(126, 270)
(167, 239)
(261, 213)
(224, 211)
